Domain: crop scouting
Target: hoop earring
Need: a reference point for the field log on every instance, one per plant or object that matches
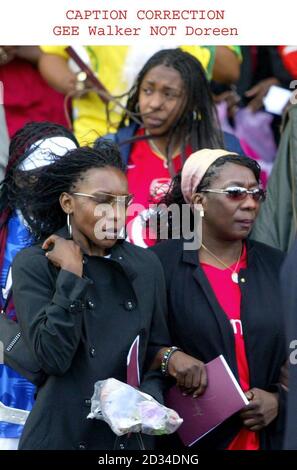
(122, 234)
(69, 227)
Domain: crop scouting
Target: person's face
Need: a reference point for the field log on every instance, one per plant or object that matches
(97, 220)
(225, 218)
(161, 99)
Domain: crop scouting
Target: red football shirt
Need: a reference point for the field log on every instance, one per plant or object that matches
(148, 179)
(229, 297)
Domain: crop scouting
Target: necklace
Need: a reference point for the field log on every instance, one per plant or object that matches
(158, 152)
(234, 275)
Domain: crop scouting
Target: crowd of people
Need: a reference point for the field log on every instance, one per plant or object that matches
(103, 189)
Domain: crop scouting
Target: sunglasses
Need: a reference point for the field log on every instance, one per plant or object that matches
(237, 193)
(107, 198)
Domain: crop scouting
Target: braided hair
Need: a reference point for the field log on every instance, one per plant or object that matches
(19, 149)
(198, 125)
(39, 201)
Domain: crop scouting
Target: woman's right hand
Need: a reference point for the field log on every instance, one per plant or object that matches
(258, 92)
(64, 254)
(189, 372)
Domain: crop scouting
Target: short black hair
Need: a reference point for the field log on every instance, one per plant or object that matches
(214, 169)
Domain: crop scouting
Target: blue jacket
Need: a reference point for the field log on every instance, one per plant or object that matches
(15, 391)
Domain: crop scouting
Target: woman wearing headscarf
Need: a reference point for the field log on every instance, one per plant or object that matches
(31, 148)
(224, 296)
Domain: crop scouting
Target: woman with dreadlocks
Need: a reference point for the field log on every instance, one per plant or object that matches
(31, 148)
(83, 295)
(172, 104)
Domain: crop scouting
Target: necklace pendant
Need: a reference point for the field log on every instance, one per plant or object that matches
(234, 277)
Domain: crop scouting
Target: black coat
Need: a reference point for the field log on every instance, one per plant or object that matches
(201, 328)
(289, 289)
(80, 330)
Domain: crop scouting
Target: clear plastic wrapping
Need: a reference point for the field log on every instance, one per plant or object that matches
(126, 410)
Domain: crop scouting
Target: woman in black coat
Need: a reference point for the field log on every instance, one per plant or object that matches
(82, 296)
(224, 296)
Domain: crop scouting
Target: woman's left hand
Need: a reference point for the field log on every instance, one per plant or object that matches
(261, 411)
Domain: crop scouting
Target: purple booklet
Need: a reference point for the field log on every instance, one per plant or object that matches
(222, 398)
(133, 378)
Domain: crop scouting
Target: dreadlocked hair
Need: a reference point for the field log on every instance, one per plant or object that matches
(19, 149)
(174, 194)
(198, 125)
(39, 201)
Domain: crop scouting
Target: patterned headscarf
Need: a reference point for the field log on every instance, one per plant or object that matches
(195, 168)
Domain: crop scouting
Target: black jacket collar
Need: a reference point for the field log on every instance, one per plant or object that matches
(120, 254)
